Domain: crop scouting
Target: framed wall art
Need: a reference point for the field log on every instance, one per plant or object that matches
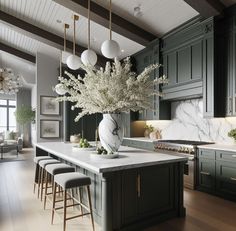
(48, 106)
(49, 128)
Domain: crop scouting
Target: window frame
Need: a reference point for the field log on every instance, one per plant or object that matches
(7, 106)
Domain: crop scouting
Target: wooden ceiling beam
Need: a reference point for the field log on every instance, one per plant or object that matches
(100, 15)
(42, 35)
(17, 53)
(207, 8)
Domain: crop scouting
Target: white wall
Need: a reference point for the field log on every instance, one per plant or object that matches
(34, 106)
(46, 79)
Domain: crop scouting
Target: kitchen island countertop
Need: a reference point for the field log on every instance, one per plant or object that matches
(128, 157)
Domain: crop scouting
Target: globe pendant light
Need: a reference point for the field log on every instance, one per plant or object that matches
(110, 48)
(73, 61)
(65, 54)
(59, 88)
(89, 57)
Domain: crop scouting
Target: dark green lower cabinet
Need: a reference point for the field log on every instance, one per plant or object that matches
(206, 174)
(148, 193)
(226, 179)
(217, 173)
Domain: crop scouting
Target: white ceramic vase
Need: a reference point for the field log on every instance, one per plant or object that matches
(111, 132)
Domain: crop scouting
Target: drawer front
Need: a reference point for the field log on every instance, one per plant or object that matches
(206, 174)
(226, 178)
(206, 154)
(138, 144)
(226, 156)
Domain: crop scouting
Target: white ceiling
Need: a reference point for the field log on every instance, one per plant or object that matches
(45, 13)
(159, 16)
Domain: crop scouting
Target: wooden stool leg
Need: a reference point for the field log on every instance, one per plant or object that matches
(42, 184)
(90, 205)
(64, 220)
(53, 201)
(39, 180)
(35, 177)
(46, 191)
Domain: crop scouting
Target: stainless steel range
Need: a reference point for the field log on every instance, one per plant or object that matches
(185, 148)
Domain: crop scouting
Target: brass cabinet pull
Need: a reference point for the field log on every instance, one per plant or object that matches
(234, 156)
(233, 178)
(205, 173)
(139, 185)
(230, 105)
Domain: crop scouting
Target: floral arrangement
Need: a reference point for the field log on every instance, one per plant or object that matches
(232, 133)
(113, 89)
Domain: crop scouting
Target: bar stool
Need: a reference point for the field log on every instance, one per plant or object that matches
(42, 165)
(69, 181)
(36, 161)
(52, 170)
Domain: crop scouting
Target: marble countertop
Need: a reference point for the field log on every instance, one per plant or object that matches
(142, 139)
(128, 157)
(225, 147)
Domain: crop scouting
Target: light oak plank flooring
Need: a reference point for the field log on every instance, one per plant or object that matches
(20, 210)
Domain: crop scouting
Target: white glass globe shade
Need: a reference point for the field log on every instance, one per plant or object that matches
(110, 49)
(60, 89)
(89, 57)
(64, 56)
(73, 62)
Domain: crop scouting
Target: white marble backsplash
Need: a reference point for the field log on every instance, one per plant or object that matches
(188, 123)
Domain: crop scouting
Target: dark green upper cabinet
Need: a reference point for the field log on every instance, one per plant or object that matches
(144, 58)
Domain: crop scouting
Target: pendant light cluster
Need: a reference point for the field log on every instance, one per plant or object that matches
(110, 48)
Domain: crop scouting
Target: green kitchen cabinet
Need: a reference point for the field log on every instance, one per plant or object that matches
(143, 196)
(226, 179)
(206, 175)
(216, 171)
(144, 58)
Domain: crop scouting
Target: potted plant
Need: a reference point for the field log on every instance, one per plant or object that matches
(232, 134)
(24, 115)
(110, 91)
(148, 130)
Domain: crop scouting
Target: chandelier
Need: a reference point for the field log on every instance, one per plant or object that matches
(9, 83)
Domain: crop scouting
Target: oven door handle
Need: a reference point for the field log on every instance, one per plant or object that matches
(191, 158)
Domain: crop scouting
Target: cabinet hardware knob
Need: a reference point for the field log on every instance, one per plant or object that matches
(205, 173)
(233, 178)
(139, 185)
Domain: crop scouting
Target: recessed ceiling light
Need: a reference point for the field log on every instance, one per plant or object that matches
(122, 50)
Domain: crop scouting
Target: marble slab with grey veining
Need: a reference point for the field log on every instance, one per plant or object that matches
(128, 157)
(188, 123)
(222, 147)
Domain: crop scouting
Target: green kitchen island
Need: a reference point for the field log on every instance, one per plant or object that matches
(137, 190)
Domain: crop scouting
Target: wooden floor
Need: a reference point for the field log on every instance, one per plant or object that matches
(21, 211)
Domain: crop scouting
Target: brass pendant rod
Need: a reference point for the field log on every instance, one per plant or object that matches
(88, 24)
(66, 26)
(74, 38)
(60, 62)
(110, 21)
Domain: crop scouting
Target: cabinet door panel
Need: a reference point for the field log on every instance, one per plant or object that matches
(172, 68)
(197, 60)
(130, 199)
(153, 198)
(206, 174)
(184, 65)
(226, 178)
(208, 77)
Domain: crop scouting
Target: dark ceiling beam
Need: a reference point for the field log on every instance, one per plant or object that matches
(100, 15)
(42, 35)
(207, 8)
(18, 53)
